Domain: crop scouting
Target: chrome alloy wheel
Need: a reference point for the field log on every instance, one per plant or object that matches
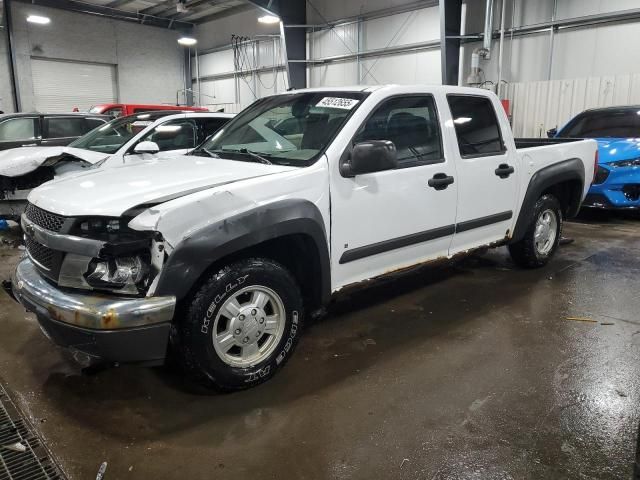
(249, 326)
(546, 232)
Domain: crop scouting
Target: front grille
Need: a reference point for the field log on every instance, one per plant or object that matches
(41, 254)
(42, 218)
(601, 175)
(34, 462)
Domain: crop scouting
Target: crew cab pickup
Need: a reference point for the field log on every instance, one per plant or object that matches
(224, 252)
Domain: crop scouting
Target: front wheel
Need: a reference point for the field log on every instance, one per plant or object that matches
(540, 242)
(240, 326)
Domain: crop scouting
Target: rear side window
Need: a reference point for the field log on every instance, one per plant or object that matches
(93, 123)
(209, 126)
(476, 125)
(411, 123)
(18, 129)
(62, 127)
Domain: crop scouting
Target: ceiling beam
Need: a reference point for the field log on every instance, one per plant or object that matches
(118, 3)
(223, 14)
(82, 7)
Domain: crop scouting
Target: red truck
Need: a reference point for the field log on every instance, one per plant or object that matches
(122, 109)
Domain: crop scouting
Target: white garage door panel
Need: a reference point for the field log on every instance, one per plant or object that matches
(59, 86)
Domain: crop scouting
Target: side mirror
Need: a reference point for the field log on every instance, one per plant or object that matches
(147, 147)
(370, 156)
(552, 132)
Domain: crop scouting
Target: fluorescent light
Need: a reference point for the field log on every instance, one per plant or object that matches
(187, 41)
(461, 120)
(38, 19)
(269, 19)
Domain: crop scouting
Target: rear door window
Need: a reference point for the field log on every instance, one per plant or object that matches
(476, 125)
(92, 123)
(209, 126)
(64, 127)
(15, 129)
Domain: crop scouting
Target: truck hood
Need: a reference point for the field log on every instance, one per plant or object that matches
(112, 191)
(19, 161)
(614, 149)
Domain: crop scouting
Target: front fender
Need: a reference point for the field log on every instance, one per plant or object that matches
(201, 249)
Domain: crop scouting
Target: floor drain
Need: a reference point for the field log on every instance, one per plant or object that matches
(22, 454)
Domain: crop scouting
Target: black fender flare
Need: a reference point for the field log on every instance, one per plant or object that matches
(198, 252)
(545, 178)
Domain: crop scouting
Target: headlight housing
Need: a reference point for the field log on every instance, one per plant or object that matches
(126, 274)
(632, 162)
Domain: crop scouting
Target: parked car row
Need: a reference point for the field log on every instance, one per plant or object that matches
(225, 251)
(123, 140)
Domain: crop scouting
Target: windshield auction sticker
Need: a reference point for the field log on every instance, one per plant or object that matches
(337, 102)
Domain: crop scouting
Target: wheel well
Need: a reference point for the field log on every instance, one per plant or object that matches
(569, 193)
(287, 250)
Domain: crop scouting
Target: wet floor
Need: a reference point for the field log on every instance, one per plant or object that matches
(469, 371)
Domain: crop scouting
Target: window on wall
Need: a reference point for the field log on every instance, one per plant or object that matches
(18, 129)
(411, 123)
(476, 125)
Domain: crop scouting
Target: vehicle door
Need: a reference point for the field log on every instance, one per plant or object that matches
(390, 219)
(19, 132)
(207, 126)
(487, 186)
(62, 130)
(176, 136)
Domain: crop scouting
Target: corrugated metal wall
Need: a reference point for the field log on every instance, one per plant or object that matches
(538, 106)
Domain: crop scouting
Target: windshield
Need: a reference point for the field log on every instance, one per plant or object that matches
(602, 124)
(291, 129)
(110, 137)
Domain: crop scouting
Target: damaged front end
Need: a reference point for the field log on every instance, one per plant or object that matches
(18, 179)
(15, 190)
(87, 279)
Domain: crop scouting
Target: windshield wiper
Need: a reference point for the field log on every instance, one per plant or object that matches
(260, 158)
(208, 152)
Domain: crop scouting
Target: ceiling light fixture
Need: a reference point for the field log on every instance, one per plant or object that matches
(38, 19)
(269, 19)
(187, 41)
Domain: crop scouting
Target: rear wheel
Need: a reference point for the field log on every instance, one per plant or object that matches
(240, 326)
(540, 242)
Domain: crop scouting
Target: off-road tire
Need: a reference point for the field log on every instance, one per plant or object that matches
(192, 340)
(524, 252)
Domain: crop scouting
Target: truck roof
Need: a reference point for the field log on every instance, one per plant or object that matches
(396, 87)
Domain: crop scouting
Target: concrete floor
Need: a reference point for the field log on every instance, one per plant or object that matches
(470, 371)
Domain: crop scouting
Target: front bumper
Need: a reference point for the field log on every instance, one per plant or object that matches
(97, 328)
(620, 190)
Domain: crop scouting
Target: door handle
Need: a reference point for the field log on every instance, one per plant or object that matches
(440, 181)
(504, 170)
(29, 144)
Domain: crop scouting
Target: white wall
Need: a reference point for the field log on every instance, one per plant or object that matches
(218, 32)
(390, 31)
(610, 49)
(149, 61)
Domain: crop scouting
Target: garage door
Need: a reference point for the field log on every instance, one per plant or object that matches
(59, 86)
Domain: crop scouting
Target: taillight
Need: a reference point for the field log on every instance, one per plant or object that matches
(595, 168)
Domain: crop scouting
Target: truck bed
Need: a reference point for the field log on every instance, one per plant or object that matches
(541, 142)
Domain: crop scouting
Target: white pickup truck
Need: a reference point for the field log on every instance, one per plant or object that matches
(224, 252)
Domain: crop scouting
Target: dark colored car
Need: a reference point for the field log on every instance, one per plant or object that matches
(45, 129)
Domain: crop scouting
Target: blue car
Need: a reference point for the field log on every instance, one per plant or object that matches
(617, 130)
